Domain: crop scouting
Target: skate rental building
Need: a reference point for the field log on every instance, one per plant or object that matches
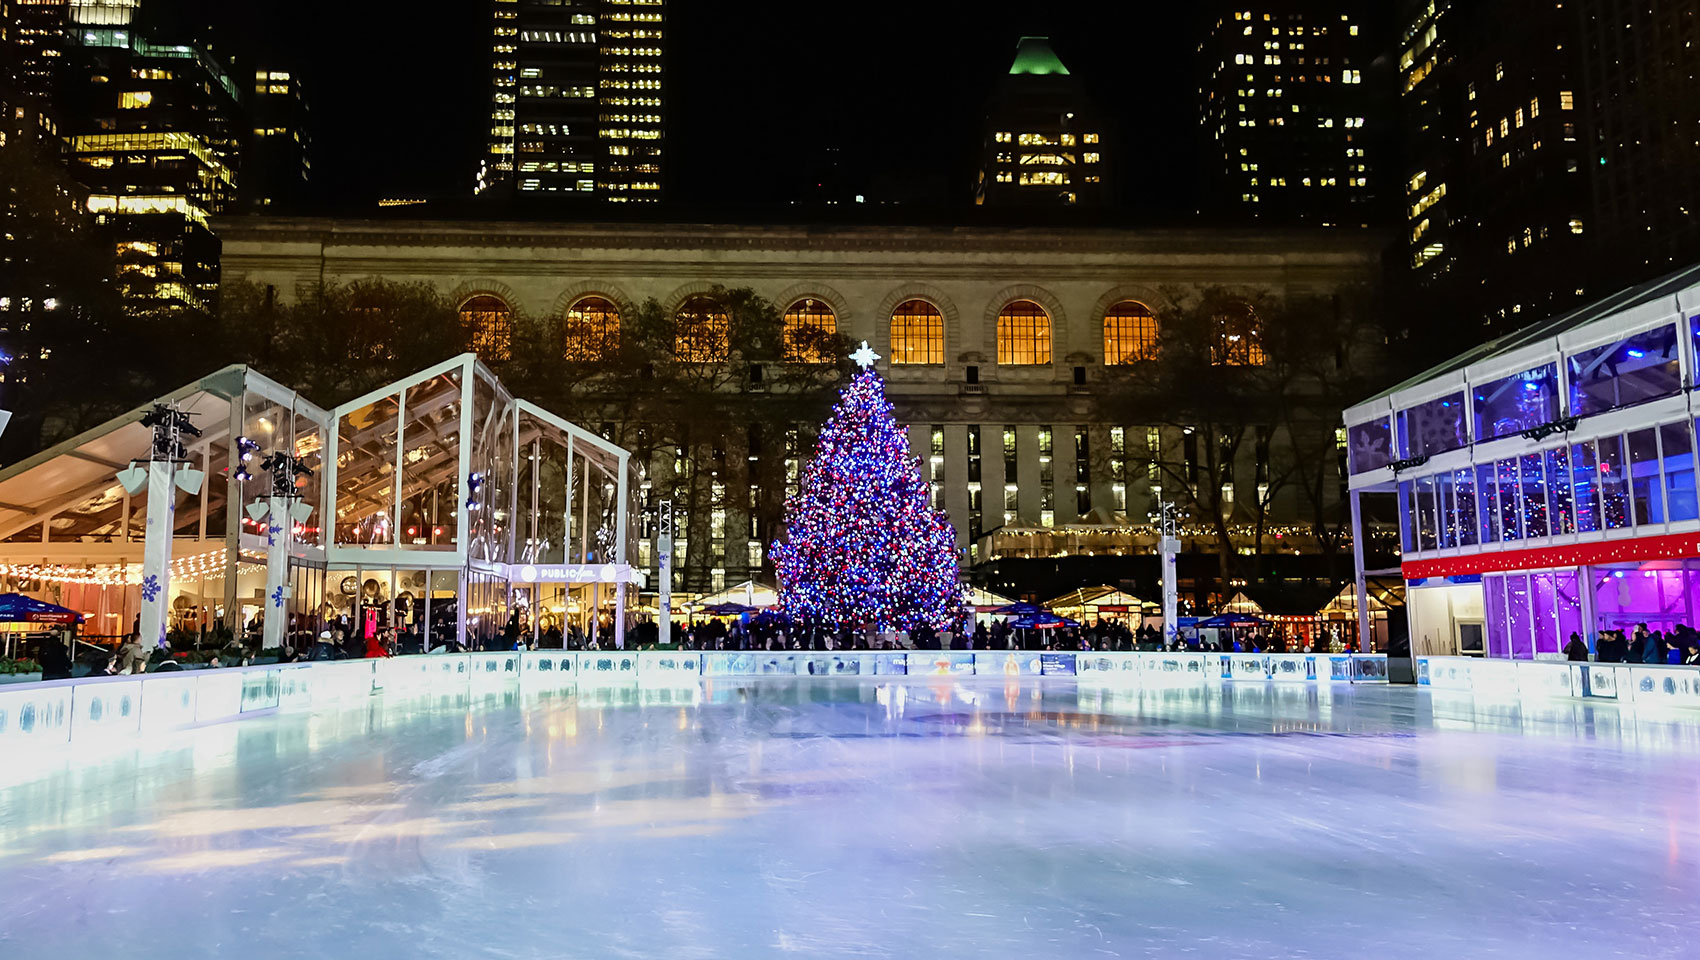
(436, 506)
(1546, 480)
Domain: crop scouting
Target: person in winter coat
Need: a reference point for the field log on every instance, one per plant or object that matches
(1576, 649)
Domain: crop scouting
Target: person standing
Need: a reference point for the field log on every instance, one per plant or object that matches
(1576, 649)
(131, 657)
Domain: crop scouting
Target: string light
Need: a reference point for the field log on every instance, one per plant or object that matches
(204, 565)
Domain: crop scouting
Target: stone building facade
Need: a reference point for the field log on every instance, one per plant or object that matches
(1001, 437)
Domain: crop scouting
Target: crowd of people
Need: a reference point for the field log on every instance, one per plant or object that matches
(1679, 645)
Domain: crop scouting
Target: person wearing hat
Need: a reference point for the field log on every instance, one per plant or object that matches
(325, 649)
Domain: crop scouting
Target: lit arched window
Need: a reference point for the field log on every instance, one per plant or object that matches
(1024, 334)
(1239, 336)
(809, 325)
(917, 333)
(700, 331)
(1130, 333)
(591, 331)
(489, 326)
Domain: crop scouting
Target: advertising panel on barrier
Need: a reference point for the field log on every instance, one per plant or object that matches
(1539, 678)
(1118, 667)
(607, 666)
(259, 690)
(1246, 666)
(168, 701)
(1008, 663)
(728, 664)
(940, 662)
(1600, 680)
(1669, 685)
(218, 694)
(1293, 667)
(669, 665)
(35, 715)
(1057, 664)
(106, 708)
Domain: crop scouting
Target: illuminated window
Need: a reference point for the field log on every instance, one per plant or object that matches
(1024, 334)
(1239, 334)
(701, 327)
(489, 326)
(135, 100)
(591, 330)
(809, 327)
(1566, 100)
(917, 333)
(1130, 333)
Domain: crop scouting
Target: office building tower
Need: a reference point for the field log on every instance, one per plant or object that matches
(1043, 143)
(1289, 113)
(1433, 164)
(155, 131)
(1643, 98)
(35, 45)
(577, 99)
(276, 166)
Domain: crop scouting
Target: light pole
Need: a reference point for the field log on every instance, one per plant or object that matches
(664, 564)
(285, 508)
(1168, 544)
(160, 476)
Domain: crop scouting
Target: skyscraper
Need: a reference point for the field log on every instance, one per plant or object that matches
(155, 132)
(1044, 141)
(1288, 112)
(1643, 97)
(577, 99)
(275, 161)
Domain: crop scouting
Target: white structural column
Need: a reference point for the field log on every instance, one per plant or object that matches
(622, 517)
(1360, 595)
(278, 531)
(664, 568)
(156, 550)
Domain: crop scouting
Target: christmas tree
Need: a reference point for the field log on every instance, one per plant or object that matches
(864, 544)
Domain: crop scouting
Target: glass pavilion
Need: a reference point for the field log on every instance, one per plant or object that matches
(441, 506)
(1546, 480)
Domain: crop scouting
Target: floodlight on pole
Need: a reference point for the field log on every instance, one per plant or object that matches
(258, 510)
(189, 480)
(300, 511)
(133, 479)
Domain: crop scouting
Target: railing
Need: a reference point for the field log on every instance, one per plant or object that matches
(57, 712)
(1623, 682)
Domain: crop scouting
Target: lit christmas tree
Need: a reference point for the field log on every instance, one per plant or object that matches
(863, 543)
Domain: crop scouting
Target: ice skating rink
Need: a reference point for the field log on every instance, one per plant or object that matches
(871, 817)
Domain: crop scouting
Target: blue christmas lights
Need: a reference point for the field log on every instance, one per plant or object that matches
(864, 544)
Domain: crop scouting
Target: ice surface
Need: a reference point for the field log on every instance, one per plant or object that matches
(871, 817)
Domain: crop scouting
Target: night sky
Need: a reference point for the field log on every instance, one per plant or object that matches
(758, 92)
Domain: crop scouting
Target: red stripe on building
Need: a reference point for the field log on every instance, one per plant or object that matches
(1668, 547)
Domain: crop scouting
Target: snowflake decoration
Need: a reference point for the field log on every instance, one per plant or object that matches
(271, 535)
(277, 597)
(150, 588)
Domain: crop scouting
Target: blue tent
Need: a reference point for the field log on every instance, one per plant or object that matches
(1020, 608)
(17, 608)
(1041, 621)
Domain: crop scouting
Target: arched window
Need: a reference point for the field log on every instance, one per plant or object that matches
(809, 325)
(591, 330)
(489, 326)
(700, 331)
(917, 333)
(1239, 336)
(1130, 333)
(1024, 334)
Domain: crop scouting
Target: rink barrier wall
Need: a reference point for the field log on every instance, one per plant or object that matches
(59, 712)
(1655, 684)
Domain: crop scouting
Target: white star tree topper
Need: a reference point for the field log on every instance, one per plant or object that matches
(865, 357)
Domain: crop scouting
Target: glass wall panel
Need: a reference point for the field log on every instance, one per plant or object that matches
(1427, 531)
(309, 447)
(482, 486)
(1464, 502)
(1497, 627)
(1562, 519)
(1673, 600)
(1614, 483)
(1646, 491)
(1407, 516)
(1543, 619)
(1510, 506)
(1448, 517)
(1488, 492)
(1534, 496)
(1567, 598)
(365, 473)
(1516, 403)
(1635, 369)
(430, 468)
(1517, 616)
(1676, 446)
(1369, 445)
(1584, 486)
(1433, 427)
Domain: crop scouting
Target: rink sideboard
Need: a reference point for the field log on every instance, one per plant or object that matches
(59, 711)
(1623, 682)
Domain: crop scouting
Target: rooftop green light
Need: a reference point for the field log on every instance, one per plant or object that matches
(1033, 55)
